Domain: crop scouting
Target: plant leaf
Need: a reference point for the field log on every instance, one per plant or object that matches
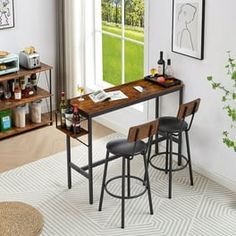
(233, 75)
(209, 78)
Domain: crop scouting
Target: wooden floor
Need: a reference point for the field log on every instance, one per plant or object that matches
(37, 144)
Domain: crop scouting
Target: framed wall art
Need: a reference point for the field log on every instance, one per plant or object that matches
(188, 27)
(7, 14)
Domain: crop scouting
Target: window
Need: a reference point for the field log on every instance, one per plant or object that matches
(119, 41)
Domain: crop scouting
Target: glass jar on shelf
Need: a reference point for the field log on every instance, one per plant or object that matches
(19, 116)
(35, 111)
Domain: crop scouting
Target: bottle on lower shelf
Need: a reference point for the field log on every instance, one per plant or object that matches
(62, 106)
(76, 120)
(69, 118)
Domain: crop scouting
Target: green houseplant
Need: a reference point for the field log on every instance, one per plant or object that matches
(228, 99)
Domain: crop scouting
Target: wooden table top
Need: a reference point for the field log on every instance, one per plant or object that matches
(90, 109)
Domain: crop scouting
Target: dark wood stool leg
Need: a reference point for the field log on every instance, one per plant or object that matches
(189, 158)
(170, 166)
(103, 182)
(148, 184)
(123, 194)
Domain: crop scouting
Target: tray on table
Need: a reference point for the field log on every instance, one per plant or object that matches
(169, 81)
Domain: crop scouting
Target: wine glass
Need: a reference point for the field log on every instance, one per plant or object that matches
(7, 94)
(153, 72)
(80, 90)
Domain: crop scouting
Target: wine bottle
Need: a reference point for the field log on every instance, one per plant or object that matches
(29, 90)
(161, 65)
(33, 79)
(17, 91)
(76, 120)
(169, 70)
(63, 109)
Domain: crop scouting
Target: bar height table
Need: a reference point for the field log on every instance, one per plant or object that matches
(89, 110)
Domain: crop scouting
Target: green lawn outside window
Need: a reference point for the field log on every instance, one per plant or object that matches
(112, 54)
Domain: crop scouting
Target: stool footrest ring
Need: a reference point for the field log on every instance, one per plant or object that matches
(163, 169)
(126, 197)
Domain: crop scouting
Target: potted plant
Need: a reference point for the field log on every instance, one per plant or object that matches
(228, 98)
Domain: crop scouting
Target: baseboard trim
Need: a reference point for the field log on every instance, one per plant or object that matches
(219, 179)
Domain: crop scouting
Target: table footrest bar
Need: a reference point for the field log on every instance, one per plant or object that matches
(100, 162)
(80, 170)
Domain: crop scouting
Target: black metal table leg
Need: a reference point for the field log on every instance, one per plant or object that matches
(90, 160)
(170, 165)
(50, 98)
(157, 105)
(68, 151)
(180, 135)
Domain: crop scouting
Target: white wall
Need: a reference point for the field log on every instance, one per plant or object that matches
(35, 25)
(209, 154)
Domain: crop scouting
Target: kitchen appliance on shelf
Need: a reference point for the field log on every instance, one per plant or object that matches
(29, 60)
(9, 64)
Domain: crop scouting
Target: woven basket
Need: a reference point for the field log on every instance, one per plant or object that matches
(17, 218)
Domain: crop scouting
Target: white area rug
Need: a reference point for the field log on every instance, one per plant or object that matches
(203, 209)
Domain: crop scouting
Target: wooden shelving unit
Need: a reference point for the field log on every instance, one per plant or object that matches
(46, 119)
(29, 126)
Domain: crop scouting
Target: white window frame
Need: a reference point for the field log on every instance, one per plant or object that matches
(98, 41)
(98, 82)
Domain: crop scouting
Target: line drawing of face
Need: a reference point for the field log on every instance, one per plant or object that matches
(185, 16)
(187, 12)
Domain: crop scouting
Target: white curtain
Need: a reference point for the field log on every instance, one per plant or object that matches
(75, 25)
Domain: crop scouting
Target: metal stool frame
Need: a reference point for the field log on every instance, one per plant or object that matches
(187, 109)
(136, 133)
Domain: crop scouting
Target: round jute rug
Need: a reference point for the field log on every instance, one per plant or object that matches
(21, 219)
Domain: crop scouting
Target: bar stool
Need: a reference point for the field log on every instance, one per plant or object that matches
(127, 149)
(171, 129)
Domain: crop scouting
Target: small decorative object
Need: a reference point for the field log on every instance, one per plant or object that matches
(188, 27)
(228, 98)
(7, 14)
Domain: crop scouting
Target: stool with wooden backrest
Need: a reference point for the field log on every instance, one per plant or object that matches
(171, 128)
(127, 149)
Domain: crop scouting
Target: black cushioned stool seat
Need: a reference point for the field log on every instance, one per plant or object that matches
(171, 124)
(122, 147)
